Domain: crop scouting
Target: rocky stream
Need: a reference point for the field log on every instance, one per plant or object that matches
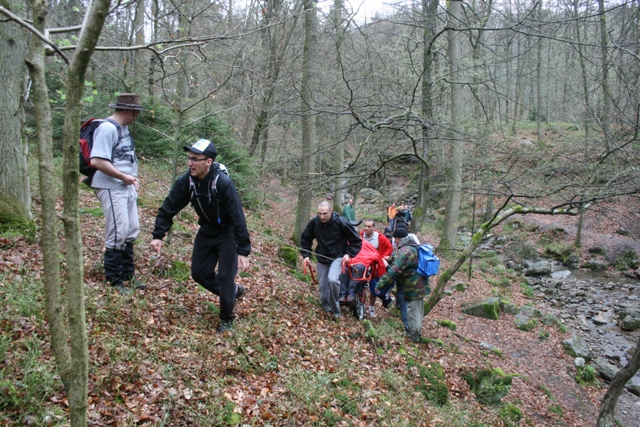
(595, 306)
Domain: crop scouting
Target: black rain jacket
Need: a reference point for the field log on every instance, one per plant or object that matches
(219, 208)
(335, 238)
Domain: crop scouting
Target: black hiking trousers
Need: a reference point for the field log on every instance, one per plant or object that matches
(216, 246)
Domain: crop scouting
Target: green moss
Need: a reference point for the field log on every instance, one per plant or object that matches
(432, 341)
(14, 225)
(543, 335)
(558, 251)
(432, 385)
(289, 255)
(530, 325)
(489, 385)
(627, 261)
(556, 409)
(527, 291)
(178, 270)
(370, 331)
(510, 414)
(446, 323)
(586, 375)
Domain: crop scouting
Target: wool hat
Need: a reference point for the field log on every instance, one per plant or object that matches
(127, 101)
(400, 232)
(202, 146)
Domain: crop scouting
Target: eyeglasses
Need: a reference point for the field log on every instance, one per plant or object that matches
(195, 159)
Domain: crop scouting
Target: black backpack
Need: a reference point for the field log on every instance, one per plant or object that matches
(86, 144)
(401, 218)
(218, 169)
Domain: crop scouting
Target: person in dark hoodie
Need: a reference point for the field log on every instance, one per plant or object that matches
(223, 238)
(337, 240)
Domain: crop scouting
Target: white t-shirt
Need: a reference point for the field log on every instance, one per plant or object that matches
(373, 239)
(120, 152)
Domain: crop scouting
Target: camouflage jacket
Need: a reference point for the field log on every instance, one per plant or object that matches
(403, 269)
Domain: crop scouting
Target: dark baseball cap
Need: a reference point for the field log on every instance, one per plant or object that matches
(202, 146)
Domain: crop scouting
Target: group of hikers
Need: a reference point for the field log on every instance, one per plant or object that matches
(222, 241)
(369, 256)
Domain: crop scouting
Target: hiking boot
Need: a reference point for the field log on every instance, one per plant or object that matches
(240, 290)
(225, 326)
(122, 289)
(137, 284)
(337, 317)
(371, 313)
(387, 301)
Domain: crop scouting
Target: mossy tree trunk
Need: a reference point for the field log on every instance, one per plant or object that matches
(452, 211)
(606, 417)
(500, 216)
(307, 151)
(69, 344)
(15, 193)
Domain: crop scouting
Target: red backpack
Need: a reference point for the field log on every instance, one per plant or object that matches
(86, 144)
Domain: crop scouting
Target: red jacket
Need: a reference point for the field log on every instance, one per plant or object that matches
(385, 248)
(369, 255)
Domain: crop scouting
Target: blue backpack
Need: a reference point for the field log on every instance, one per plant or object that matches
(428, 262)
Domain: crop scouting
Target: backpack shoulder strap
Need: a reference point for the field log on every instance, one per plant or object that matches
(118, 127)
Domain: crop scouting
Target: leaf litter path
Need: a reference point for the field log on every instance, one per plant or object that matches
(181, 363)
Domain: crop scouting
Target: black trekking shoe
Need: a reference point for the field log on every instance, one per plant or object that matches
(225, 326)
(120, 287)
(137, 284)
(387, 301)
(240, 290)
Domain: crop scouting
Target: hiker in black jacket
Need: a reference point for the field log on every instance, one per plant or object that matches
(337, 240)
(223, 238)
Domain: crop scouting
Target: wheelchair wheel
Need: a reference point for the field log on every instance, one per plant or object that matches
(360, 309)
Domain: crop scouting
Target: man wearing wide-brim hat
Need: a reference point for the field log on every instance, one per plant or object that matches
(116, 186)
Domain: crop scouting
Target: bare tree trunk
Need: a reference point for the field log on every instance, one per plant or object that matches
(606, 417)
(339, 182)
(78, 379)
(429, 10)
(539, 91)
(140, 55)
(452, 212)
(15, 192)
(305, 192)
(578, 242)
(583, 70)
(606, 92)
(49, 242)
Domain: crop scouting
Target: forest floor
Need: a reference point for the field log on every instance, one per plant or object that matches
(156, 358)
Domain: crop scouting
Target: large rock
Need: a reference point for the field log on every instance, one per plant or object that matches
(576, 347)
(596, 265)
(524, 322)
(540, 268)
(629, 318)
(370, 194)
(508, 307)
(488, 309)
(572, 261)
(550, 320)
(530, 311)
(605, 369)
(559, 275)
